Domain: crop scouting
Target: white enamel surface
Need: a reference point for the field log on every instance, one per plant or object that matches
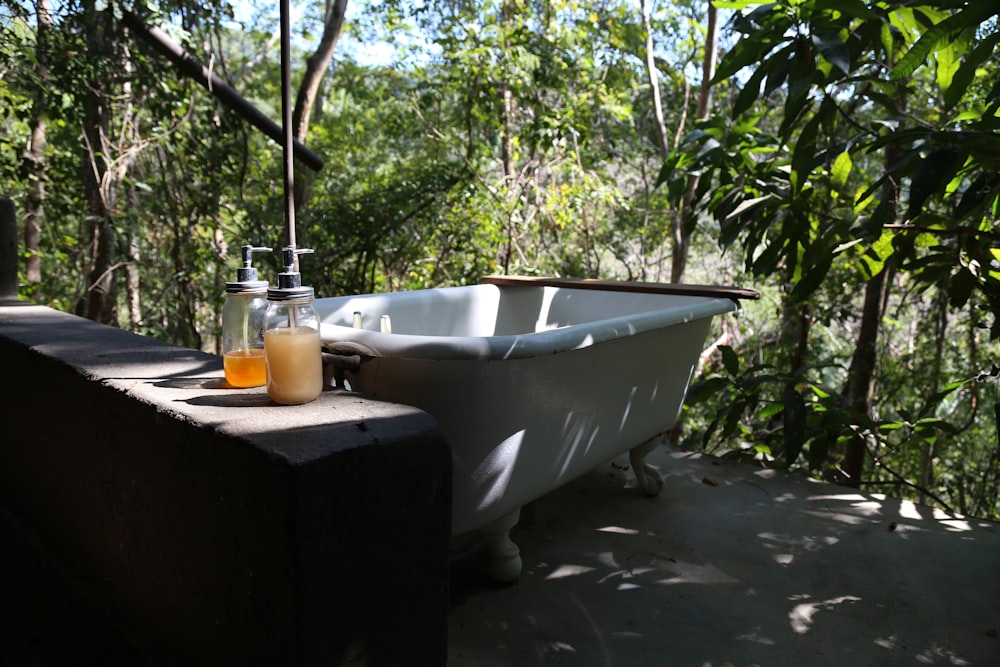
(532, 386)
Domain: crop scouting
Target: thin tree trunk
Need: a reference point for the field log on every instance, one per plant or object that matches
(929, 450)
(98, 303)
(507, 139)
(507, 142)
(35, 155)
(309, 88)
(861, 374)
(654, 83)
(132, 281)
(316, 68)
(681, 226)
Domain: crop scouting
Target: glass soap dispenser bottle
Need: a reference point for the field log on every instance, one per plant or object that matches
(291, 337)
(243, 325)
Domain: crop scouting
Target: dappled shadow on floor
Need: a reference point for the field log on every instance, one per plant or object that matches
(734, 565)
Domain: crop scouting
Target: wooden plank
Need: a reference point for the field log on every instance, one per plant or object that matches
(681, 289)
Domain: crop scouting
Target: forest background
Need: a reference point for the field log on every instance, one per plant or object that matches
(839, 156)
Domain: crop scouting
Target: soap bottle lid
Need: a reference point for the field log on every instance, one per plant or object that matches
(290, 281)
(246, 275)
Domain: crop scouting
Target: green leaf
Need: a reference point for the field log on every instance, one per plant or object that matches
(841, 169)
(735, 413)
(929, 177)
(730, 359)
(804, 155)
(833, 48)
(855, 8)
(770, 410)
(750, 92)
(891, 426)
(947, 62)
(779, 71)
(767, 261)
(747, 205)
(971, 17)
(812, 274)
(960, 287)
(966, 72)
(705, 390)
(745, 52)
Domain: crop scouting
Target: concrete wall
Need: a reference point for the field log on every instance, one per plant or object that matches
(212, 521)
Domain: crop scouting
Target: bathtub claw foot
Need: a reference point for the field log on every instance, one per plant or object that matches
(648, 479)
(505, 557)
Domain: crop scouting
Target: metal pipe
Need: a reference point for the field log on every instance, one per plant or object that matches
(286, 123)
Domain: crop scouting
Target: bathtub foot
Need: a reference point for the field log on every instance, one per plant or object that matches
(505, 557)
(648, 479)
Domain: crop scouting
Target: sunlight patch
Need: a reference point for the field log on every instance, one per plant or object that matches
(840, 496)
(801, 615)
(756, 638)
(495, 471)
(957, 525)
(689, 573)
(908, 510)
(618, 529)
(564, 571)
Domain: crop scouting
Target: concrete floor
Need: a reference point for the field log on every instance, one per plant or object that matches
(733, 565)
(730, 565)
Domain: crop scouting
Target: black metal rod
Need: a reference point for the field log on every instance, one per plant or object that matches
(215, 85)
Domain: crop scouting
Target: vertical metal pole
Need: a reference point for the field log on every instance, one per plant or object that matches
(288, 156)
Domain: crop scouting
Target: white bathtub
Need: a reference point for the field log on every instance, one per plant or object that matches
(533, 383)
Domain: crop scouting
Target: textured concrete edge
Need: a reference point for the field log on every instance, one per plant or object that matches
(220, 522)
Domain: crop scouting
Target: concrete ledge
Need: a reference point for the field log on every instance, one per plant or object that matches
(215, 522)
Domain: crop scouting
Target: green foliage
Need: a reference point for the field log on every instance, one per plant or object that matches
(862, 141)
(857, 139)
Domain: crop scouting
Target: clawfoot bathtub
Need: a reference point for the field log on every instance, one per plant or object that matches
(532, 381)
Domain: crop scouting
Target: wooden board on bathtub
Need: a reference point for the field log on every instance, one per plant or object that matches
(626, 286)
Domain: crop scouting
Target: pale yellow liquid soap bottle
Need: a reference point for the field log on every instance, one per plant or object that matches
(243, 325)
(291, 337)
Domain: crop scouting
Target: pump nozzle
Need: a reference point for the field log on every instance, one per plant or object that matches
(289, 255)
(247, 272)
(290, 280)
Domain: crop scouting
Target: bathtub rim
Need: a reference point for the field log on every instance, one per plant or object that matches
(370, 343)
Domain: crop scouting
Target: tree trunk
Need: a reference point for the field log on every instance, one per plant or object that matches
(681, 223)
(98, 302)
(507, 142)
(316, 67)
(929, 448)
(35, 156)
(654, 83)
(507, 138)
(309, 88)
(861, 374)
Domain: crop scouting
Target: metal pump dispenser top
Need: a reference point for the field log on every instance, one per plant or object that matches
(246, 275)
(290, 281)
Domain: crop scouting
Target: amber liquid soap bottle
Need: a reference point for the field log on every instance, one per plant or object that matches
(243, 325)
(291, 337)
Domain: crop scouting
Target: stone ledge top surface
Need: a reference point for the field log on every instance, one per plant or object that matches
(189, 385)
